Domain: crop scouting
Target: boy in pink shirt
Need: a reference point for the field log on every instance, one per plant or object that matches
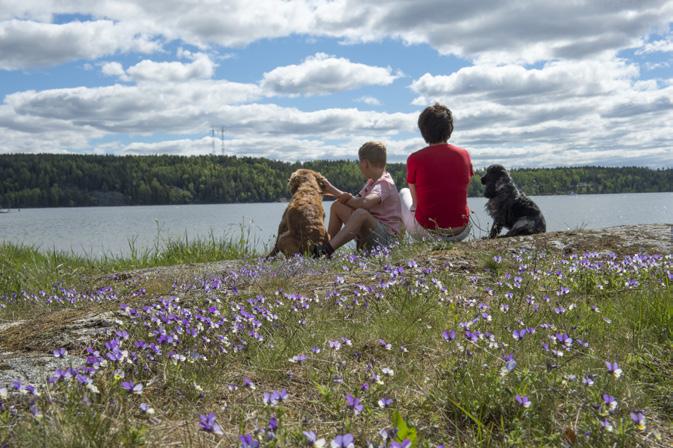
(373, 216)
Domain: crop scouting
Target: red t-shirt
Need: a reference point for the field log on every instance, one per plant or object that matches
(441, 174)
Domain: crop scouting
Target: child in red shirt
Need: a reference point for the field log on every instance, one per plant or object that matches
(438, 177)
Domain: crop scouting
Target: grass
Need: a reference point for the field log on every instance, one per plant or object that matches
(374, 328)
(26, 269)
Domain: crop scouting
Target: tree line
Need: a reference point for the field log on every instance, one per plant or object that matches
(51, 180)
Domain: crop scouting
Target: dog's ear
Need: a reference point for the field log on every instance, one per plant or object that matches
(322, 181)
(295, 181)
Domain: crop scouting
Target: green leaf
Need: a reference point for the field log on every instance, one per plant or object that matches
(403, 430)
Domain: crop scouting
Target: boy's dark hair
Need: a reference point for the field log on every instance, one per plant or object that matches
(374, 153)
(435, 123)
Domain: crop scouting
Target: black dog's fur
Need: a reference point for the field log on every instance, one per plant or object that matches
(508, 206)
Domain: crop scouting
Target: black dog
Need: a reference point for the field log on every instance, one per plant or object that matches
(508, 206)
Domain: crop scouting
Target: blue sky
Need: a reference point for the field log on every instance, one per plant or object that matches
(530, 83)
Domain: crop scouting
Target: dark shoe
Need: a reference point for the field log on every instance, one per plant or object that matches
(322, 250)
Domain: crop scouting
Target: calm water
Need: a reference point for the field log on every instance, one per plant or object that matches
(96, 231)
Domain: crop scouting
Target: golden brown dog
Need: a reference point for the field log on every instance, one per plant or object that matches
(302, 225)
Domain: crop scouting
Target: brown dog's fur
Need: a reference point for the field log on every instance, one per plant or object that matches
(302, 225)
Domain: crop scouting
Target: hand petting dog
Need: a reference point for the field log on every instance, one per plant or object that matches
(509, 207)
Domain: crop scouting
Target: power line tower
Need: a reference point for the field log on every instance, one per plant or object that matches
(212, 139)
(222, 138)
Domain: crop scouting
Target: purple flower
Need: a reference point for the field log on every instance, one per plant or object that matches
(354, 404)
(298, 359)
(60, 352)
(273, 424)
(510, 363)
(274, 397)
(334, 344)
(613, 369)
(146, 409)
(564, 339)
(610, 402)
(605, 424)
(403, 444)
(208, 424)
(638, 419)
(588, 380)
(523, 401)
(343, 441)
(449, 335)
(312, 440)
(519, 334)
(385, 402)
(247, 382)
(384, 344)
(132, 388)
(248, 442)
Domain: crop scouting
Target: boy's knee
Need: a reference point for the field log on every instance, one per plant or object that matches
(360, 213)
(336, 205)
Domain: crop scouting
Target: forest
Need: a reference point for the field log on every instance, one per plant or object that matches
(51, 180)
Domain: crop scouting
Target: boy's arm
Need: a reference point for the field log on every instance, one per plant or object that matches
(366, 202)
(331, 190)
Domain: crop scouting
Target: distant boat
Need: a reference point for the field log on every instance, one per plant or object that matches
(4, 210)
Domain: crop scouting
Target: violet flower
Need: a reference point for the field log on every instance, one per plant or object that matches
(354, 403)
(638, 419)
(523, 401)
(385, 402)
(343, 441)
(613, 369)
(208, 424)
(610, 402)
(132, 388)
(406, 443)
(449, 335)
(312, 440)
(247, 441)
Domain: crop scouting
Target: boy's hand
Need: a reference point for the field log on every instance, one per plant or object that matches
(344, 197)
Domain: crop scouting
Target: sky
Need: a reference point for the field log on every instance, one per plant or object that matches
(530, 83)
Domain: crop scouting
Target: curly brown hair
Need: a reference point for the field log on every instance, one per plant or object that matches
(436, 123)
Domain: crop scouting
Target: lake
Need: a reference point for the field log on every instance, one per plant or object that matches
(95, 231)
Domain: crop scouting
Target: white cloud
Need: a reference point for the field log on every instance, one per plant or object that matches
(657, 46)
(114, 69)
(201, 67)
(181, 108)
(26, 44)
(369, 100)
(510, 84)
(566, 112)
(322, 74)
(147, 71)
(486, 31)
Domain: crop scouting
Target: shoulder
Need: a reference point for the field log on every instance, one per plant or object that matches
(459, 150)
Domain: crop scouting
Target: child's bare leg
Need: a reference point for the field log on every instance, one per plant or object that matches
(360, 219)
(338, 214)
